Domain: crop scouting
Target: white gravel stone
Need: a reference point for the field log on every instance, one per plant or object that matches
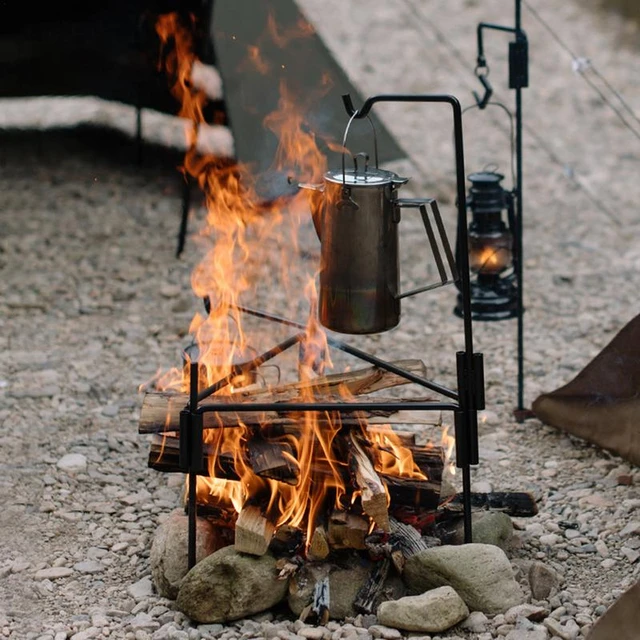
(631, 528)
(141, 589)
(53, 573)
(72, 463)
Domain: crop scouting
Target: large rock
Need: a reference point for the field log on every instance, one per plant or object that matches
(228, 585)
(169, 551)
(480, 573)
(487, 527)
(433, 611)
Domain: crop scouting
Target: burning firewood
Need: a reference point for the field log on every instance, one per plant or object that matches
(373, 494)
(161, 413)
(272, 460)
(319, 546)
(347, 530)
(253, 531)
(161, 410)
(422, 494)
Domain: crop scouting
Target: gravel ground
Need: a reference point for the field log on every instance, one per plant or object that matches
(94, 303)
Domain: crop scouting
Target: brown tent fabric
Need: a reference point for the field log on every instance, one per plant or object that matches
(621, 620)
(602, 403)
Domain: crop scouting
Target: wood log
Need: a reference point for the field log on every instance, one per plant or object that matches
(319, 547)
(347, 530)
(367, 598)
(253, 531)
(516, 504)
(223, 516)
(421, 494)
(272, 460)
(356, 382)
(520, 504)
(164, 455)
(407, 438)
(405, 541)
(430, 460)
(287, 540)
(160, 413)
(373, 494)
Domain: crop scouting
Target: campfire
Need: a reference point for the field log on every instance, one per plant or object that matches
(302, 466)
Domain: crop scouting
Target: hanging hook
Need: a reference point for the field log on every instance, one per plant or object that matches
(482, 73)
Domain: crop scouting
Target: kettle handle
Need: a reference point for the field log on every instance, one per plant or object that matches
(422, 203)
(344, 146)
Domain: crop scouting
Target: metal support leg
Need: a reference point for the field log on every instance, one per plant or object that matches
(191, 457)
(184, 221)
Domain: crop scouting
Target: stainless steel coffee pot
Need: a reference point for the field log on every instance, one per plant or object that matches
(356, 213)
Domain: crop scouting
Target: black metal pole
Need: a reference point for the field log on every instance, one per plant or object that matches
(184, 216)
(518, 78)
(519, 243)
(519, 265)
(193, 478)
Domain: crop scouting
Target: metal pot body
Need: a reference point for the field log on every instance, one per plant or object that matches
(359, 276)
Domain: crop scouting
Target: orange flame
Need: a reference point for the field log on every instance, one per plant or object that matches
(393, 457)
(239, 237)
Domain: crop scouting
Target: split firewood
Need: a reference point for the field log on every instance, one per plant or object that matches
(223, 516)
(357, 382)
(319, 546)
(160, 413)
(366, 600)
(406, 438)
(430, 460)
(347, 530)
(321, 601)
(421, 494)
(164, 455)
(519, 504)
(269, 460)
(287, 540)
(253, 531)
(272, 460)
(405, 541)
(373, 494)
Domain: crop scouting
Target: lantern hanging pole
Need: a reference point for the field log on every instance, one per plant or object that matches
(518, 79)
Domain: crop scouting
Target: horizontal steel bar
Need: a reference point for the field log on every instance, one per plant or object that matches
(339, 407)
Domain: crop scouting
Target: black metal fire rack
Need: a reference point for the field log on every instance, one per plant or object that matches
(463, 403)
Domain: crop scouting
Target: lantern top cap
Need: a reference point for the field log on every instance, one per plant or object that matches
(485, 177)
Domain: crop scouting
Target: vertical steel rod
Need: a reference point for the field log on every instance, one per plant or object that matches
(193, 478)
(520, 264)
(519, 244)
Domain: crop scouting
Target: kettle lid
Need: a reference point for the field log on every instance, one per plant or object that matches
(373, 177)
